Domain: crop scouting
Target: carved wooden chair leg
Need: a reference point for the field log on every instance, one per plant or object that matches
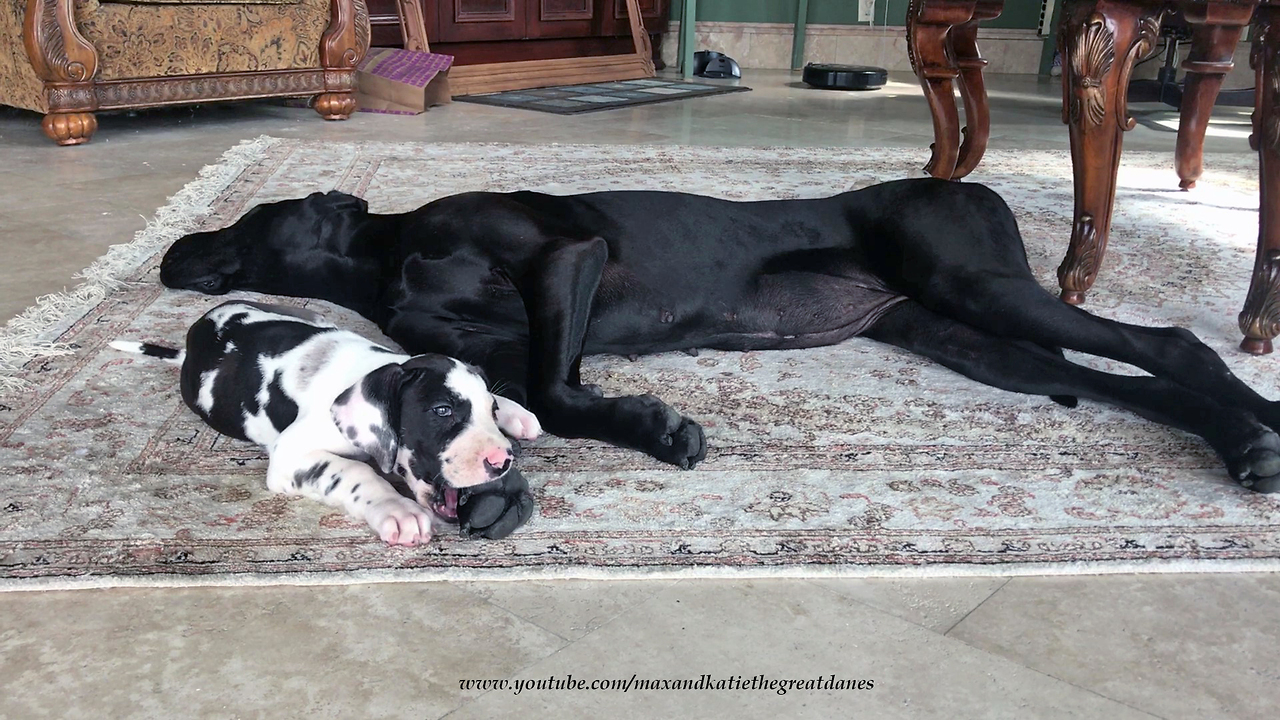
(1217, 31)
(342, 47)
(413, 28)
(1260, 319)
(932, 58)
(1100, 43)
(973, 90)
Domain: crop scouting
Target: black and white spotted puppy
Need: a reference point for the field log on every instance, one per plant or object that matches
(333, 408)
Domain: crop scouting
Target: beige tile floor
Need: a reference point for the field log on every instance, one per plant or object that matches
(1168, 646)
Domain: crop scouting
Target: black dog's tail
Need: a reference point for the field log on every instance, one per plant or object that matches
(173, 355)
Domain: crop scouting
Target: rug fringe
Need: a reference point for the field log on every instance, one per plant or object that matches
(31, 334)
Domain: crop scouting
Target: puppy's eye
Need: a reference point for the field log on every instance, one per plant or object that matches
(442, 410)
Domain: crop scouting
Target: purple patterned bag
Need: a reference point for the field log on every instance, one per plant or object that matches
(402, 82)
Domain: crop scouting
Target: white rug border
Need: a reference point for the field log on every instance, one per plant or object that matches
(633, 574)
(29, 335)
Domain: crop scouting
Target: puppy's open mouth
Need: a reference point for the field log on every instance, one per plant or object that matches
(445, 503)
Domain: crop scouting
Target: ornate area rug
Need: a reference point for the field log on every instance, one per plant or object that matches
(851, 460)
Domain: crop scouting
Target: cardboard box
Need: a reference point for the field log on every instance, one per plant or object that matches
(402, 82)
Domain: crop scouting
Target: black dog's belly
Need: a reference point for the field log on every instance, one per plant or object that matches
(782, 310)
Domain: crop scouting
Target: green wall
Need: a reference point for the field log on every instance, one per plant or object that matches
(1021, 14)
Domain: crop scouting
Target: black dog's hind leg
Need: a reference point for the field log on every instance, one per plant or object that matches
(975, 270)
(1020, 308)
(1250, 450)
(558, 293)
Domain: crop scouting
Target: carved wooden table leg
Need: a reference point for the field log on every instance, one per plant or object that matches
(1260, 319)
(977, 115)
(1217, 31)
(67, 64)
(342, 47)
(1100, 41)
(929, 24)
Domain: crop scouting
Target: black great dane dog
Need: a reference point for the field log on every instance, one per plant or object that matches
(525, 284)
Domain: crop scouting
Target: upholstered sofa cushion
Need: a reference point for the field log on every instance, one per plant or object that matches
(203, 2)
(138, 41)
(19, 84)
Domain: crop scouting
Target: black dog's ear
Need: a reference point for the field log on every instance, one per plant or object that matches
(338, 213)
(368, 414)
(335, 201)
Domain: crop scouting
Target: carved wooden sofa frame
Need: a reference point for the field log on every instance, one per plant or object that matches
(67, 64)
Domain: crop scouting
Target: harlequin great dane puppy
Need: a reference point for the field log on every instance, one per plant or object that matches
(525, 284)
(348, 422)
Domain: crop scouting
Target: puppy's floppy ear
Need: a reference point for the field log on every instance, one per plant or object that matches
(368, 414)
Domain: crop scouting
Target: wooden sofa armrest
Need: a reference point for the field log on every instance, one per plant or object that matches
(67, 63)
(341, 49)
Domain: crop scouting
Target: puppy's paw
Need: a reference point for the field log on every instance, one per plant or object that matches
(516, 421)
(399, 521)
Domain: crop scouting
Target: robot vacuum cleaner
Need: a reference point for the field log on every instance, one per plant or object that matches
(845, 77)
(712, 64)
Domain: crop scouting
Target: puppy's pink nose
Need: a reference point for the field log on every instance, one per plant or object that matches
(497, 461)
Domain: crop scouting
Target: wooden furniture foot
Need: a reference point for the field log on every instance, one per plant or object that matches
(1100, 41)
(942, 44)
(342, 46)
(74, 128)
(1260, 318)
(335, 106)
(1217, 29)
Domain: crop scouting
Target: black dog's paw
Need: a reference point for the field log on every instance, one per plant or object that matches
(1270, 415)
(495, 510)
(667, 435)
(1256, 464)
(687, 445)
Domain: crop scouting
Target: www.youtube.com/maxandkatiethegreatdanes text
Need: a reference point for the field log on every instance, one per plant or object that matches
(704, 682)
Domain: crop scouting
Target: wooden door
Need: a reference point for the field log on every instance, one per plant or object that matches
(653, 12)
(480, 20)
(561, 18)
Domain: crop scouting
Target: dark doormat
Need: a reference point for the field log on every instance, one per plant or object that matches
(573, 99)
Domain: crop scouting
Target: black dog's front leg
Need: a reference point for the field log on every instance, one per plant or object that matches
(558, 292)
